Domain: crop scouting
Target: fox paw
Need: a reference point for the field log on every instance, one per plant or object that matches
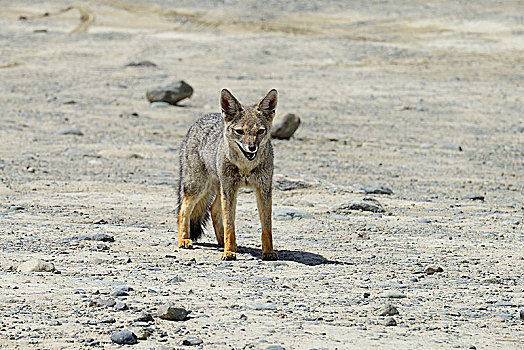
(271, 256)
(228, 255)
(185, 243)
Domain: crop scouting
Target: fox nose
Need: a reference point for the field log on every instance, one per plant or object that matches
(252, 148)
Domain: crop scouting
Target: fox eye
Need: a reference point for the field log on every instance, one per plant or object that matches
(239, 131)
(261, 131)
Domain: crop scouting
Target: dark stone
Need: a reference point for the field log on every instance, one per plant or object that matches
(172, 93)
(374, 189)
(285, 127)
(167, 312)
(121, 291)
(364, 204)
(473, 197)
(286, 183)
(75, 132)
(432, 270)
(144, 317)
(124, 337)
(192, 341)
(141, 64)
(522, 314)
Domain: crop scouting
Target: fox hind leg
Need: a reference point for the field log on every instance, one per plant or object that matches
(184, 217)
(216, 216)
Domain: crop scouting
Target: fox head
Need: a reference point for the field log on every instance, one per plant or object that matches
(247, 128)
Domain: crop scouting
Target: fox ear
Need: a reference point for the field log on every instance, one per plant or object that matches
(269, 103)
(230, 105)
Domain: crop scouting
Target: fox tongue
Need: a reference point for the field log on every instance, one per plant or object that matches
(250, 156)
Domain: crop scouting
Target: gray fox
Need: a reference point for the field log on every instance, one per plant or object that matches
(220, 154)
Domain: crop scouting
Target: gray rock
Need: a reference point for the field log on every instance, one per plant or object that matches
(75, 132)
(108, 320)
(141, 64)
(121, 306)
(192, 341)
(124, 337)
(285, 127)
(101, 237)
(290, 214)
(473, 197)
(374, 189)
(387, 310)
(16, 208)
(521, 314)
(171, 93)
(167, 312)
(263, 307)
(121, 291)
(364, 204)
(432, 270)
(390, 321)
(392, 294)
(36, 265)
(287, 183)
(275, 347)
(144, 317)
(102, 303)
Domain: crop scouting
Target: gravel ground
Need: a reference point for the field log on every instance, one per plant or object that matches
(423, 99)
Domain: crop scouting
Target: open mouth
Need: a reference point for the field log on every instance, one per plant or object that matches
(248, 155)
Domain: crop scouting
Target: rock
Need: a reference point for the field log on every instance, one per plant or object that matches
(144, 333)
(102, 303)
(192, 341)
(392, 294)
(473, 197)
(275, 347)
(144, 317)
(121, 306)
(287, 183)
(171, 93)
(121, 291)
(167, 312)
(108, 320)
(36, 265)
(119, 154)
(290, 214)
(16, 208)
(263, 307)
(101, 237)
(424, 221)
(521, 314)
(285, 127)
(390, 321)
(75, 132)
(374, 189)
(124, 337)
(433, 270)
(364, 204)
(366, 295)
(387, 310)
(141, 64)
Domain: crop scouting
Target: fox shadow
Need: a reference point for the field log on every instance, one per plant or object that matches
(301, 257)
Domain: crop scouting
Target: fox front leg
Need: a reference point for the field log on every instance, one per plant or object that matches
(229, 200)
(264, 211)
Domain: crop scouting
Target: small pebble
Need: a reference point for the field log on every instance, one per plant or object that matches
(392, 294)
(387, 310)
(167, 312)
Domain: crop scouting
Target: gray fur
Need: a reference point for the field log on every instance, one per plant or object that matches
(215, 157)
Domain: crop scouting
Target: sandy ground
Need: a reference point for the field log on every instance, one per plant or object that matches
(424, 98)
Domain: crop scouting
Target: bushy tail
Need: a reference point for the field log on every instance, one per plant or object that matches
(199, 216)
